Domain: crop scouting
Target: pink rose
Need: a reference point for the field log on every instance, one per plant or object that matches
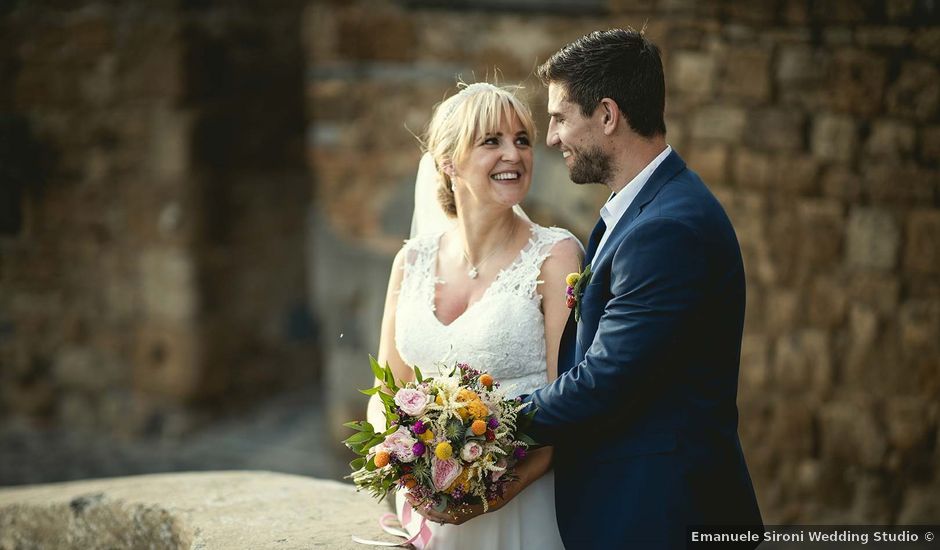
(501, 464)
(401, 444)
(471, 451)
(412, 402)
(444, 472)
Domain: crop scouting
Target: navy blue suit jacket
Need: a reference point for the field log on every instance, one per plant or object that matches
(643, 415)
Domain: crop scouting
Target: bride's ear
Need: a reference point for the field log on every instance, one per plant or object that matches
(447, 165)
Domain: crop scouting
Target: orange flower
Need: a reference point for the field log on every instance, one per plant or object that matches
(486, 380)
(381, 459)
(467, 395)
(477, 409)
(409, 481)
(478, 427)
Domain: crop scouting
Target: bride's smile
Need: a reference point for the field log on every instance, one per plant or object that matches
(497, 171)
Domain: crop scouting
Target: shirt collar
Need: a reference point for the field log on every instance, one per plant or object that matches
(618, 203)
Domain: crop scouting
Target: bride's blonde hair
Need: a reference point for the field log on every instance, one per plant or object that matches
(476, 110)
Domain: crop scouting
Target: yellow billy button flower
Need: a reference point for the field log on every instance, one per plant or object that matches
(443, 451)
(428, 435)
(572, 279)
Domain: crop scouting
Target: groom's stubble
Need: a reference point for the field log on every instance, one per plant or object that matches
(591, 166)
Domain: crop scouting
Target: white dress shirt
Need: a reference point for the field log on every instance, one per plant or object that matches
(614, 209)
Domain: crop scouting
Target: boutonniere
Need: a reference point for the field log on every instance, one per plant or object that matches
(576, 284)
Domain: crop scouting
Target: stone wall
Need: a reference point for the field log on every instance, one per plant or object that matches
(154, 201)
(816, 124)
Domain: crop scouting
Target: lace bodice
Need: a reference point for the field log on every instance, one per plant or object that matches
(502, 333)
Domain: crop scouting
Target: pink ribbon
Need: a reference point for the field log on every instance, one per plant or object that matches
(420, 539)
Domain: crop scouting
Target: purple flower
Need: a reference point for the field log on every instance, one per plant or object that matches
(419, 427)
(418, 449)
(492, 423)
(519, 453)
(570, 291)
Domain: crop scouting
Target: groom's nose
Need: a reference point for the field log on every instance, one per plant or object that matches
(551, 137)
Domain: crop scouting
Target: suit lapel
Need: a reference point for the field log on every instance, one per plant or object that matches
(672, 165)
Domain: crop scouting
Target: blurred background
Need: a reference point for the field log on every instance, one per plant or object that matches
(200, 201)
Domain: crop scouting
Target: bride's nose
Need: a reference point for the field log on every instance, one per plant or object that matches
(510, 153)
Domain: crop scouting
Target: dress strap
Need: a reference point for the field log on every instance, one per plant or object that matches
(418, 279)
(521, 278)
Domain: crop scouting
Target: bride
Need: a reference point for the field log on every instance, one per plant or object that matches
(482, 284)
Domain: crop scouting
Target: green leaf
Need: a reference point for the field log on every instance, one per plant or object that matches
(370, 465)
(359, 438)
(371, 391)
(374, 441)
(418, 376)
(376, 368)
(357, 463)
(357, 425)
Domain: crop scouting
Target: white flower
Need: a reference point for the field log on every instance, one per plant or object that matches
(471, 451)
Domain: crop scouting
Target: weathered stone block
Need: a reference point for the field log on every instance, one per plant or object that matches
(840, 182)
(890, 139)
(879, 291)
(920, 505)
(916, 92)
(882, 37)
(903, 183)
(930, 144)
(710, 162)
(835, 137)
(800, 66)
(927, 42)
(843, 11)
(753, 169)
(850, 433)
(827, 303)
(922, 252)
(802, 363)
(168, 284)
(755, 367)
(910, 421)
(383, 34)
(872, 239)
(721, 123)
(775, 129)
(747, 74)
(920, 327)
(693, 73)
(783, 312)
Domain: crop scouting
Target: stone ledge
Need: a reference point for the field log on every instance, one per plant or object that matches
(204, 511)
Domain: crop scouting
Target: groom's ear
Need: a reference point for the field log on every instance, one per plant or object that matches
(611, 116)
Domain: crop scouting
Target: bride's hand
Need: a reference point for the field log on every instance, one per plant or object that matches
(465, 512)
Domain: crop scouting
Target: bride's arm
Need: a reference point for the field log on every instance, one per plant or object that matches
(387, 350)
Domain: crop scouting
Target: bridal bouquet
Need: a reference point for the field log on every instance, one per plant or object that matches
(451, 440)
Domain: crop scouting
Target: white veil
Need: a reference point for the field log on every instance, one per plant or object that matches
(428, 217)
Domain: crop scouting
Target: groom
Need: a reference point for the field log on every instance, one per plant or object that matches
(642, 415)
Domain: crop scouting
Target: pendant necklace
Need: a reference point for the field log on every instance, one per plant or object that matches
(473, 273)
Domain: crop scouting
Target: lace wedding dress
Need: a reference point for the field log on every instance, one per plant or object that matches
(502, 333)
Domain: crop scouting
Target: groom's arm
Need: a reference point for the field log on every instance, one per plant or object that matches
(657, 278)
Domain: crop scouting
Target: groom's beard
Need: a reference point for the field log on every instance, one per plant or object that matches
(591, 166)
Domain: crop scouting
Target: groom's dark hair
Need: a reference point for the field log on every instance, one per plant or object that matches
(620, 64)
